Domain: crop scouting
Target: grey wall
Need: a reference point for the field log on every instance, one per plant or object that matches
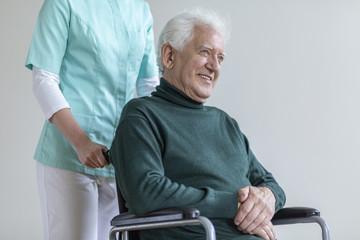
(291, 80)
(20, 124)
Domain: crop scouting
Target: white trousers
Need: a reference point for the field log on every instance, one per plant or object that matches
(75, 206)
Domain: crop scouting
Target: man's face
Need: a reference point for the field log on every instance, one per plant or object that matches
(197, 67)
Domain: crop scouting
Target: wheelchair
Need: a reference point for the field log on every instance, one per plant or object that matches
(125, 225)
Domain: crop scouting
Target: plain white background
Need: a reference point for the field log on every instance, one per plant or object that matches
(290, 78)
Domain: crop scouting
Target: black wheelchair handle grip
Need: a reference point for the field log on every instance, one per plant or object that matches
(106, 154)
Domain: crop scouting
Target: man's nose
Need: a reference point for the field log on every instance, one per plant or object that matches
(213, 63)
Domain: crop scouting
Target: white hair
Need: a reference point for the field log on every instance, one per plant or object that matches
(178, 31)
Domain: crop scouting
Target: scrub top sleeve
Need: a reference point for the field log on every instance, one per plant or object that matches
(148, 67)
(50, 37)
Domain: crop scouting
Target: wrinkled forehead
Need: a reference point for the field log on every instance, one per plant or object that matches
(207, 37)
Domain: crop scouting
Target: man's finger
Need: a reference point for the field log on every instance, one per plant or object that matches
(248, 221)
(263, 234)
(270, 231)
(243, 211)
(258, 222)
(243, 194)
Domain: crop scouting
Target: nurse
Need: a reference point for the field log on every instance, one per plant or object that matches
(87, 58)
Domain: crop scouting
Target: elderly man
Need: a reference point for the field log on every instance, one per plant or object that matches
(170, 150)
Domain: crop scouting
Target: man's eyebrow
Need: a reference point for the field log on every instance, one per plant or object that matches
(207, 46)
(211, 48)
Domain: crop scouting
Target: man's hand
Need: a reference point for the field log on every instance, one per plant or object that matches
(256, 209)
(266, 233)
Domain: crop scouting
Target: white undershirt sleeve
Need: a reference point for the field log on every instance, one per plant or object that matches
(145, 86)
(47, 92)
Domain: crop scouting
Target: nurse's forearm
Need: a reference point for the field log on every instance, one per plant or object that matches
(68, 126)
(89, 152)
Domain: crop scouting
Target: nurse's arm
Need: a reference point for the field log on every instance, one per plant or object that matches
(89, 153)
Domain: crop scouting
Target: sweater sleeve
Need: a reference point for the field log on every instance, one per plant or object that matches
(260, 177)
(136, 154)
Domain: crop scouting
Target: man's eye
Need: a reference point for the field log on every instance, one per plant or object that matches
(205, 51)
(221, 58)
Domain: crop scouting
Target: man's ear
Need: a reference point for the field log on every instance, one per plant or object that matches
(167, 56)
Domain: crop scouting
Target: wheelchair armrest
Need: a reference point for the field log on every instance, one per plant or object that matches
(295, 215)
(295, 212)
(168, 214)
(127, 223)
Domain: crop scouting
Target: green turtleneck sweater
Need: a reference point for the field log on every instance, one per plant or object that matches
(170, 151)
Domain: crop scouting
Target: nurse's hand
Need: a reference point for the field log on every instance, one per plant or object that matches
(89, 153)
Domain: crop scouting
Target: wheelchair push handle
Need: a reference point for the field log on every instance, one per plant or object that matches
(106, 154)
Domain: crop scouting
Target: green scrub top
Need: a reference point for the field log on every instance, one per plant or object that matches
(99, 48)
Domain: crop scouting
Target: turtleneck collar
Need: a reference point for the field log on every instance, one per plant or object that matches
(170, 93)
